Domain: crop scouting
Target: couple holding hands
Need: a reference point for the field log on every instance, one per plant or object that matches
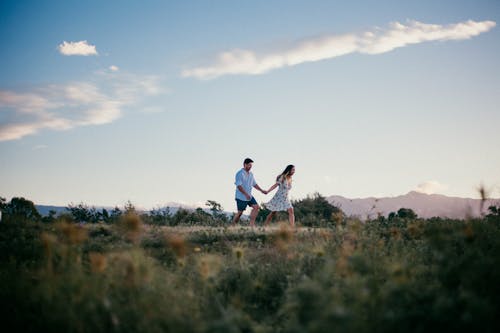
(245, 182)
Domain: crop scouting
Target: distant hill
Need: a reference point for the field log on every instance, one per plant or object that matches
(172, 207)
(424, 205)
(44, 210)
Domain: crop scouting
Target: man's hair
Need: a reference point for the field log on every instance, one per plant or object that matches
(247, 160)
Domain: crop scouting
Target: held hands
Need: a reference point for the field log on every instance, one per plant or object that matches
(270, 189)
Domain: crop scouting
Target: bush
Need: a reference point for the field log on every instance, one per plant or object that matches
(316, 211)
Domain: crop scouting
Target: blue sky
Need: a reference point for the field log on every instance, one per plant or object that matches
(160, 101)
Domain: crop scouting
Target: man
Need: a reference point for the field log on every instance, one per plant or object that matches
(244, 182)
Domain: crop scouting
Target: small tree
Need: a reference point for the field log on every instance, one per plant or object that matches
(105, 215)
(217, 210)
(115, 215)
(160, 216)
(403, 213)
(51, 217)
(2, 206)
(21, 208)
(494, 214)
(214, 206)
(407, 213)
(129, 208)
(82, 212)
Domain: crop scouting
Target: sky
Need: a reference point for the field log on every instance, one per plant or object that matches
(155, 102)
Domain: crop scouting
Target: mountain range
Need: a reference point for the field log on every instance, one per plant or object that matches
(424, 205)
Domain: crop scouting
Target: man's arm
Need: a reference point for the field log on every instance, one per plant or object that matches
(242, 190)
(239, 185)
(258, 188)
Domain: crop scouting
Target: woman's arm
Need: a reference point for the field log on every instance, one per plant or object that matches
(273, 187)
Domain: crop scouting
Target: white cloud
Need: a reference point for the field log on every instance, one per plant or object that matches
(430, 187)
(25, 103)
(400, 35)
(63, 107)
(321, 48)
(82, 48)
(16, 131)
(114, 68)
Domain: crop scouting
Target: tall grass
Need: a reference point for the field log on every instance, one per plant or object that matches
(379, 276)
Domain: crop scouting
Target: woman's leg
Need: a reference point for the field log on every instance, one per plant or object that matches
(291, 217)
(269, 218)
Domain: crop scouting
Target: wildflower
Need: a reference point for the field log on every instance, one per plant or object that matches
(468, 232)
(132, 226)
(48, 241)
(125, 267)
(97, 262)
(348, 246)
(319, 251)
(414, 230)
(337, 218)
(395, 233)
(326, 235)
(74, 234)
(209, 266)
(283, 237)
(284, 233)
(342, 265)
(399, 273)
(178, 244)
(238, 252)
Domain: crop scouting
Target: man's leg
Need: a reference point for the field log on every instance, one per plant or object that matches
(240, 206)
(253, 215)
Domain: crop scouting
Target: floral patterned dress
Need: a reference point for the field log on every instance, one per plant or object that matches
(280, 200)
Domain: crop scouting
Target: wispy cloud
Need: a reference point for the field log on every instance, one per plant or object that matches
(63, 107)
(82, 48)
(320, 48)
(430, 187)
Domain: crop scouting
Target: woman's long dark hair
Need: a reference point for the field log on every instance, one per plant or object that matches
(285, 172)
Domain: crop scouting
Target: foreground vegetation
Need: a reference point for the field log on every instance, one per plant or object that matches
(341, 275)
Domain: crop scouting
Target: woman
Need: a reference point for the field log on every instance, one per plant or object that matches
(280, 201)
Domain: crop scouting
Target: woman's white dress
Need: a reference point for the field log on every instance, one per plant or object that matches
(280, 200)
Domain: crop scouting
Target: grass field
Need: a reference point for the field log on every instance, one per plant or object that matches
(408, 275)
